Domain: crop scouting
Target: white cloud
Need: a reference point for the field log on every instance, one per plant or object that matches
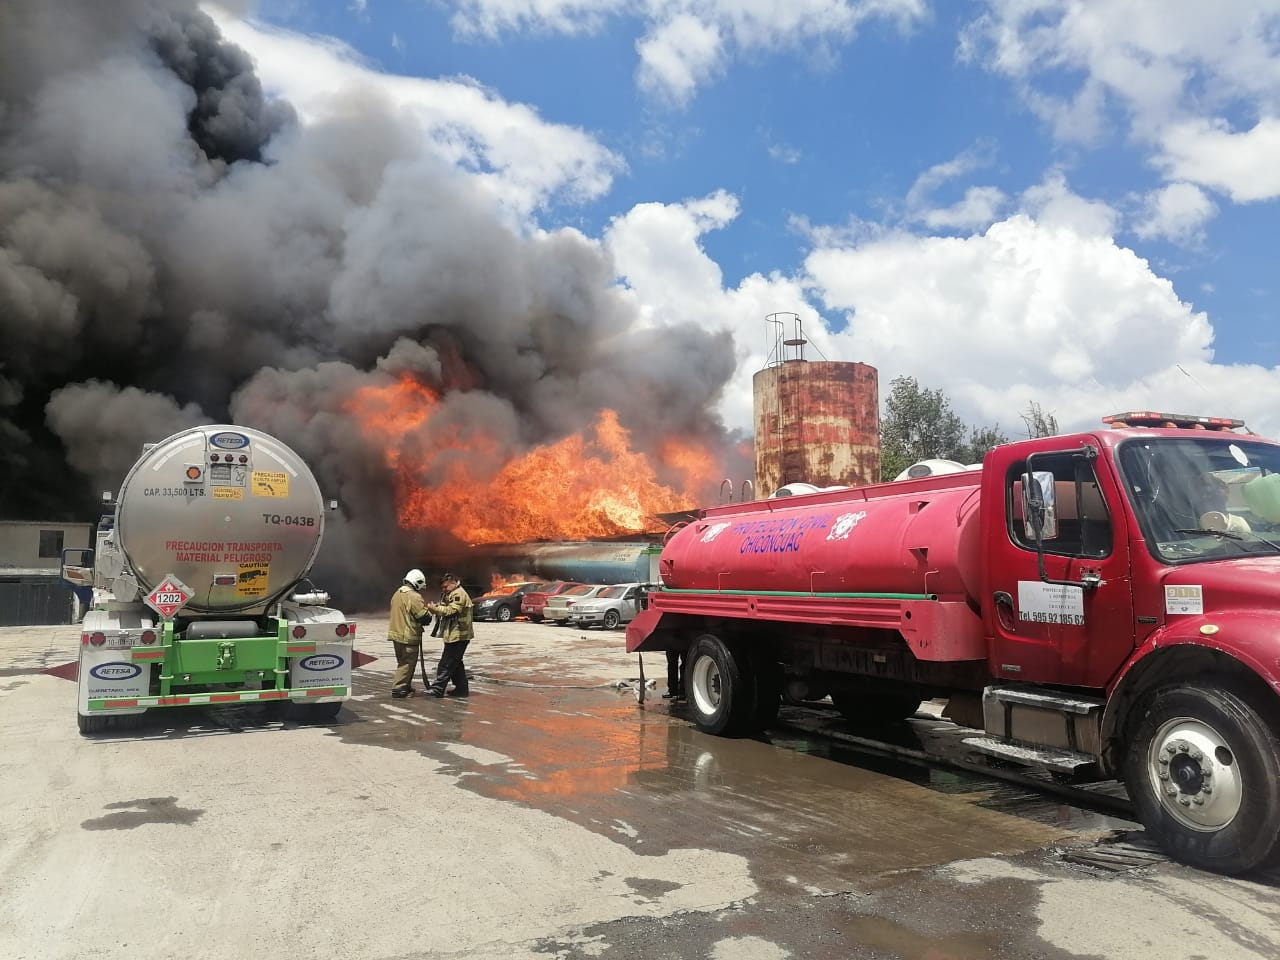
(1052, 203)
(1176, 69)
(659, 253)
(980, 206)
(679, 55)
(689, 42)
(1028, 310)
(1177, 212)
(1241, 165)
(522, 159)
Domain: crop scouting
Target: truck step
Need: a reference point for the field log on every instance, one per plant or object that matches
(1063, 722)
(1044, 700)
(1053, 759)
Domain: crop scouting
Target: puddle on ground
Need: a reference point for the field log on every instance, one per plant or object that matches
(804, 816)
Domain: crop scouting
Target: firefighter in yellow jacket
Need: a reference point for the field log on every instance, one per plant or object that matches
(408, 615)
(454, 611)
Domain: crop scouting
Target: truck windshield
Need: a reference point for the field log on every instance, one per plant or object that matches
(1204, 497)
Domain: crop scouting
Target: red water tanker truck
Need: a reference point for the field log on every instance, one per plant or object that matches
(1104, 605)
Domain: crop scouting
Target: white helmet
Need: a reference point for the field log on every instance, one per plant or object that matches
(415, 579)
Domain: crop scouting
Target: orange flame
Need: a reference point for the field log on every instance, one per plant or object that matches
(579, 487)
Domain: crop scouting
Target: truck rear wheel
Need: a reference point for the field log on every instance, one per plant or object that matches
(1202, 765)
(864, 708)
(718, 688)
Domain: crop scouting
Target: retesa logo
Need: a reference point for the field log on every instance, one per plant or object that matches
(115, 671)
(321, 662)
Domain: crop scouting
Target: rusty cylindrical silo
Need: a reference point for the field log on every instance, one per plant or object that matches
(816, 422)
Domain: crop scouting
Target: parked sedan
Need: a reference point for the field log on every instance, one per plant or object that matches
(533, 602)
(502, 604)
(609, 608)
(558, 607)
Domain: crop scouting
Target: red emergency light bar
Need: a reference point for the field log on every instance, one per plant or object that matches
(1173, 421)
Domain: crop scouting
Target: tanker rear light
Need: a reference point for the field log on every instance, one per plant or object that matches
(224, 579)
(97, 638)
(148, 636)
(299, 632)
(345, 629)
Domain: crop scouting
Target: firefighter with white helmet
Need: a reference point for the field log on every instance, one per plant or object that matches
(408, 616)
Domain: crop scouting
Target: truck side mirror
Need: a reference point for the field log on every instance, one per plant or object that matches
(1039, 505)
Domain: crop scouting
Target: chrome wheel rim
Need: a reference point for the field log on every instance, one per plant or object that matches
(1195, 775)
(705, 681)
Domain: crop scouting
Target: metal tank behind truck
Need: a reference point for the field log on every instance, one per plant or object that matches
(195, 577)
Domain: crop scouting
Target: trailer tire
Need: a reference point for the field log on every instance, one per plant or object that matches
(1234, 826)
(317, 713)
(871, 708)
(94, 723)
(718, 687)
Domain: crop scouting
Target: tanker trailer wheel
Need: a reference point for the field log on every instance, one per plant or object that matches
(718, 687)
(870, 708)
(1203, 765)
(611, 619)
(94, 723)
(317, 712)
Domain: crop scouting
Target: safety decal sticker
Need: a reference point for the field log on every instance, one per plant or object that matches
(1050, 603)
(228, 493)
(1184, 599)
(251, 580)
(270, 483)
(228, 474)
(844, 525)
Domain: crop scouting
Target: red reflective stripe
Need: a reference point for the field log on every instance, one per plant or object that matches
(273, 695)
(173, 701)
(309, 648)
(148, 654)
(108, 704)
(322, 693)
(224, 697)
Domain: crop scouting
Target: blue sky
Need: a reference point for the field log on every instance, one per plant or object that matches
(1068, 202)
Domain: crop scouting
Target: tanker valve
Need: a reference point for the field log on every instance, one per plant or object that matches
(226, 656)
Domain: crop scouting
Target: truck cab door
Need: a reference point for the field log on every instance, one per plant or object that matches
(1059, 632)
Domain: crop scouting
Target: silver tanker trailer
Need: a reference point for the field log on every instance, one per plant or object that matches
(196, 579)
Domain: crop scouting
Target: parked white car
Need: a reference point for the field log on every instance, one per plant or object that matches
(557, 609)
(610, 607)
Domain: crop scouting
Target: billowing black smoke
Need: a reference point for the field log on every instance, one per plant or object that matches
(175, 248)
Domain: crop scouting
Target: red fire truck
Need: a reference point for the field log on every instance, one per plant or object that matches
(1105, 605)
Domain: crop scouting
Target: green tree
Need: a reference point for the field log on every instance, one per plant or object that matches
(919, 424)
(981, 440)
(1039, 423)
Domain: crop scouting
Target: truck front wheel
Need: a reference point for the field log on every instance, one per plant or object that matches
(1203, 764)
(719, 688)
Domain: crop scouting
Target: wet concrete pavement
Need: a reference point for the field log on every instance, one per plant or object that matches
(551, 815)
